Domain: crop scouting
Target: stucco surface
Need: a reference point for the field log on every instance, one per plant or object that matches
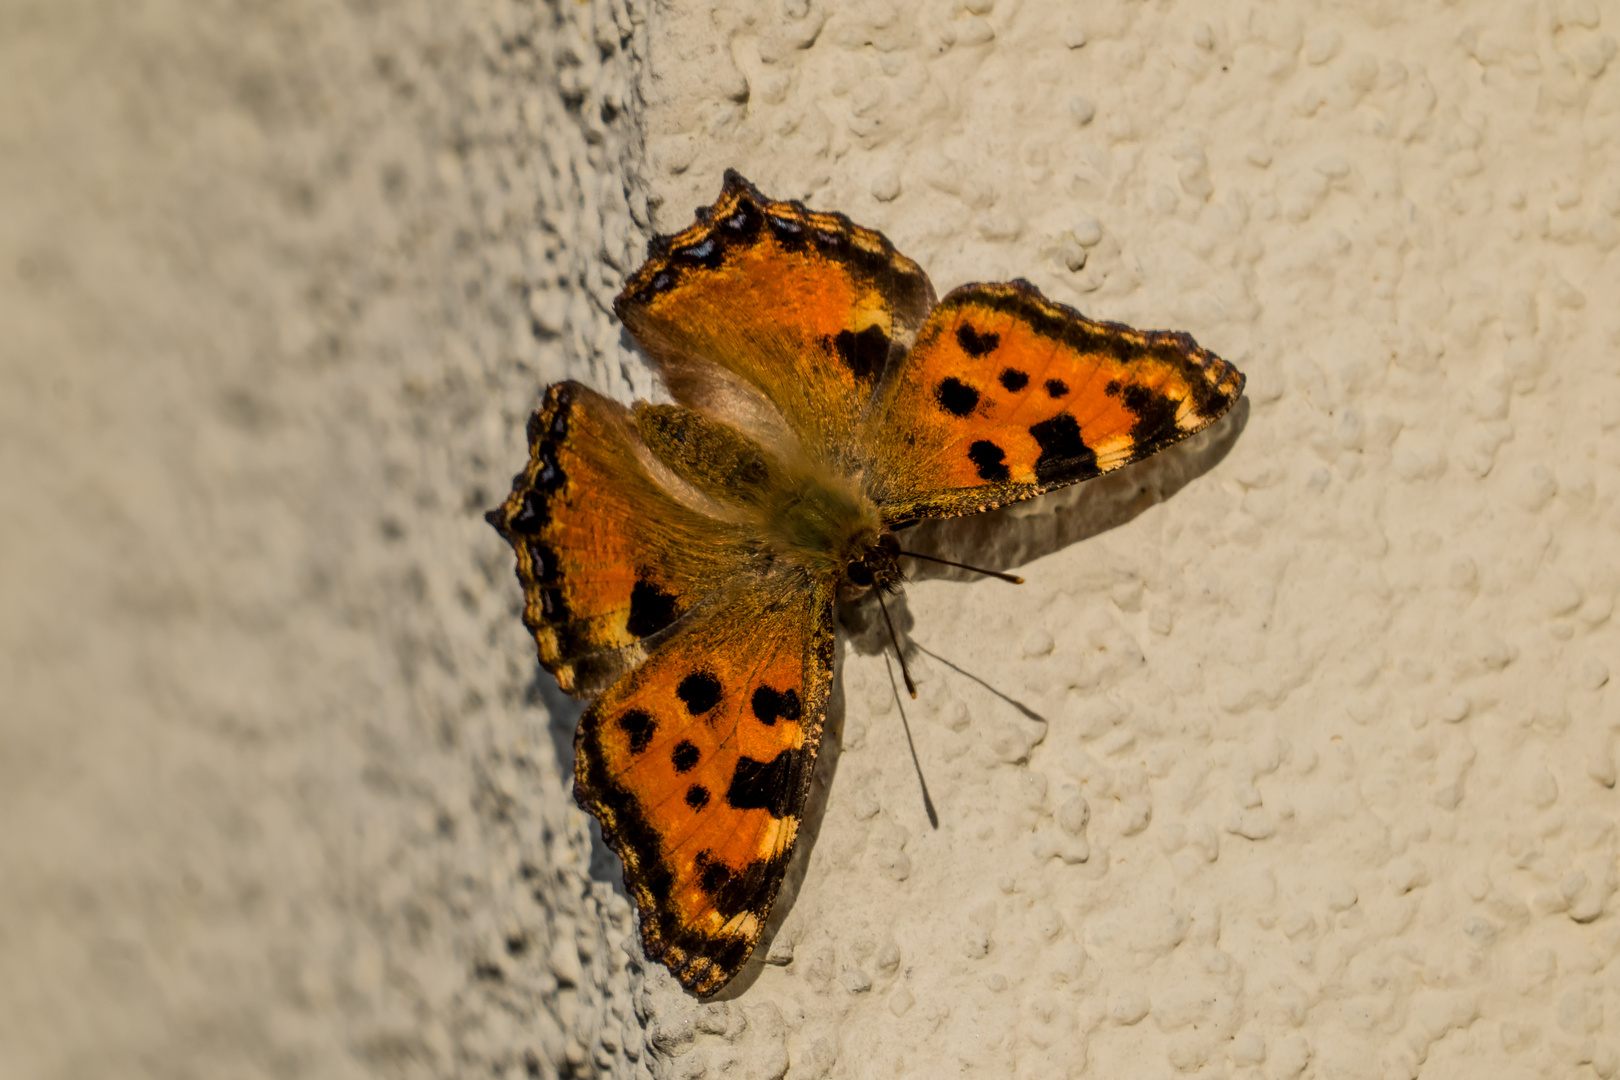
(1294, 757)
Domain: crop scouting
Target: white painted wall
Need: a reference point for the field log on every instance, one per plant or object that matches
(284, 795)
(1339, 708)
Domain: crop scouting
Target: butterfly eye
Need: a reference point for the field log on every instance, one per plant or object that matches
(859, 574)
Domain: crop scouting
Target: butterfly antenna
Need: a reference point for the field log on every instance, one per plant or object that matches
(1012, 578)
(928, 802)
(911, 687)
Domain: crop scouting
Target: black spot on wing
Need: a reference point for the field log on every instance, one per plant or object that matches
(1056, 388)
(1064, 455)
(773, 705)
(697, 796)
(1014, 380)
(865, 353)
(955, 396)
(737, 891)
(651, 609)
(974, 343)
(763, 785)
(685, 756)
(700, 691)
(640, 726)
(1155, 416)
(990, 460)
(712, 873)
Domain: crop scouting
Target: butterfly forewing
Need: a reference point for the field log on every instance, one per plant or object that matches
(1006, 395)
(806, 308)
(608, 560)
(698, 766)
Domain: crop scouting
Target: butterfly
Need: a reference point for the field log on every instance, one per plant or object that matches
(680, 562)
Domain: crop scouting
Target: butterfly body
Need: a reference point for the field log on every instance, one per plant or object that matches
(680, 561)
(805, 514)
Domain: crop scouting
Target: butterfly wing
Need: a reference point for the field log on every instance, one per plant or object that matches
(610, 561)
(698, 761)
(1007, 395)
(767, 303)
(698, 766)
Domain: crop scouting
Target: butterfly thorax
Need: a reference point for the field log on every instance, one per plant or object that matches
(797, 512)
(824, 524)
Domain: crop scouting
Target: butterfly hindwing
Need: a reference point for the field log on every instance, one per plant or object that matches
(1006, 395)
(806, 309)
(698, 766)
(608, 559)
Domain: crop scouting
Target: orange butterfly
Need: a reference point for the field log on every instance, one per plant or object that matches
(682, 560)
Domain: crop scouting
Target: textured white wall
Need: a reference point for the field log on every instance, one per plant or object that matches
(1339, 708)
(1325, 782)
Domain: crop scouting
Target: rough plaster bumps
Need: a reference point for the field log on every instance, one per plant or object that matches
(1323, 780)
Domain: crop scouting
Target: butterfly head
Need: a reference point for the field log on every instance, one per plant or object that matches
(874, 567)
